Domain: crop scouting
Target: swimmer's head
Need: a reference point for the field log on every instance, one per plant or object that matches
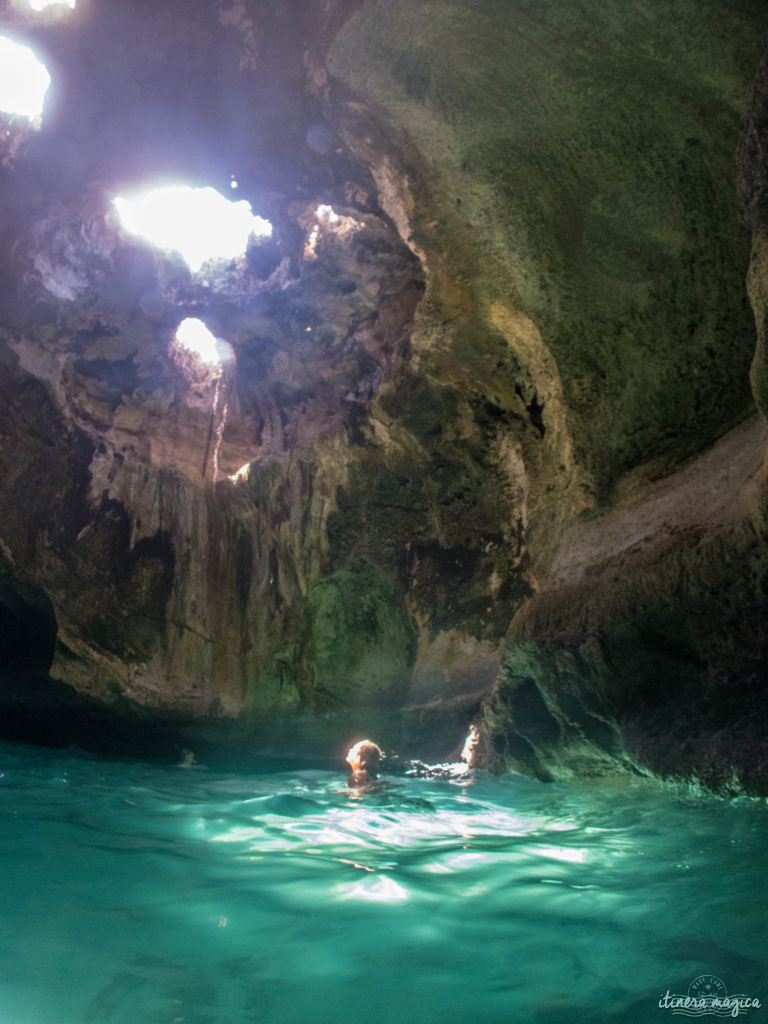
(364, 757)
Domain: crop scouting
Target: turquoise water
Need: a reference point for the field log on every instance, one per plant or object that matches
(136, 893)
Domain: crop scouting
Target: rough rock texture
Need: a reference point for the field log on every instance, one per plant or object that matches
(646, 645)
(487, 436)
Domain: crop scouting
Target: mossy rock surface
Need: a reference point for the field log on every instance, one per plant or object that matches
(577, 160)
(360, 643)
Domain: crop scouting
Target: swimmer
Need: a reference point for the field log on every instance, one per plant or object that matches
(363, 758)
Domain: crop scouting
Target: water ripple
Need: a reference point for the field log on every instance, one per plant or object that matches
(213, 897)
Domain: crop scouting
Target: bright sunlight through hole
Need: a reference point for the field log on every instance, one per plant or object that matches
(24, 80)
(194, 336)
(327, 221)
(41, 5)
(198, 223)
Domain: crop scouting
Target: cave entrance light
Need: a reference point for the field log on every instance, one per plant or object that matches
(41, 5)
(24, 80)
(328, 222)
(194, 336)
(198, 223)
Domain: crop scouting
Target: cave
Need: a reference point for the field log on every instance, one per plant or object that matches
(439, 416)
(480, 378)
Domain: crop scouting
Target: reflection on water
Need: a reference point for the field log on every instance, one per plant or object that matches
(137, 893)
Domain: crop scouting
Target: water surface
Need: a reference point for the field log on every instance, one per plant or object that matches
(135, 893)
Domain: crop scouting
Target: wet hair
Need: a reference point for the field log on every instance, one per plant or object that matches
(363, 758)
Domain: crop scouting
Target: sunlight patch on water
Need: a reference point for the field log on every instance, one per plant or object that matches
(364, 827)
(377, 890)
(560, 853)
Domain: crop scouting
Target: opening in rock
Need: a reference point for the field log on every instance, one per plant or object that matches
(193, 336)
(27, 631)
(198, 223)
(327, 221)
(41, 5)
(24, 80)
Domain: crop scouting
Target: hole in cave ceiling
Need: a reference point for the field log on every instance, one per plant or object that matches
(198, 223)
(193, 336)
(327, 221)
(24, 80)
(42, 5)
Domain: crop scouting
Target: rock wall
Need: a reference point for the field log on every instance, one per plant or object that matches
(645, 647)
(483, 376)
(568, 190)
